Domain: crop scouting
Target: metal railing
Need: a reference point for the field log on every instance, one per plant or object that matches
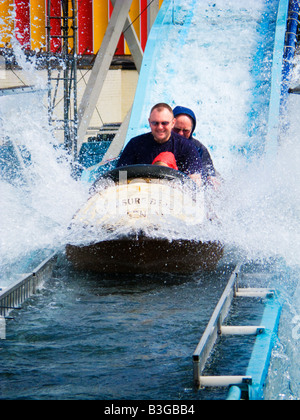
(253, 380)
(14, 295)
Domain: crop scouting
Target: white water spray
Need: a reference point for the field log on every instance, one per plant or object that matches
(34, 213)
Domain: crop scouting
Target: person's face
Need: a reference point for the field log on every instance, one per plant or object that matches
(161, 123)
(183, 126)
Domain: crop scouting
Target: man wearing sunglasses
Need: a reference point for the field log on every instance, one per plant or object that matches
(144, 149)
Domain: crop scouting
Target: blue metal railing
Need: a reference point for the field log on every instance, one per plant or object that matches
(284, 49)
(290, 46)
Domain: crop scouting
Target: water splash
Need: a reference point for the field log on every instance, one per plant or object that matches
(38, 205)
(259, 207)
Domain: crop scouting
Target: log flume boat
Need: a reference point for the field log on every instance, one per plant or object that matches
(142, 219)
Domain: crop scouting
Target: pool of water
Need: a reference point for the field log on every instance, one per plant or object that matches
(108, 338)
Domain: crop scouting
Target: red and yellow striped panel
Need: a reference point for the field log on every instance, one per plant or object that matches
(93, 16)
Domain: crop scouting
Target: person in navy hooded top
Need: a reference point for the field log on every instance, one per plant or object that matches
(143, 149)
(185, 124)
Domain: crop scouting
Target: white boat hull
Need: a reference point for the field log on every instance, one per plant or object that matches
(142, 224)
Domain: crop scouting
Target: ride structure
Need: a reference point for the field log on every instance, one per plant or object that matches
(62, 37)
(251, 384)
(65, 35)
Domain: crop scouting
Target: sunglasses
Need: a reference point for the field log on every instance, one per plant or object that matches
(178, 130)
(164, 123)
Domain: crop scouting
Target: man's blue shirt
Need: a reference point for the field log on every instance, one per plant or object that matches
(206, 160)
(142, 150)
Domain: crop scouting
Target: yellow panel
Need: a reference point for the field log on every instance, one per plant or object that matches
(7, 23)
(70, 41)
(38, 24)
(100, 11)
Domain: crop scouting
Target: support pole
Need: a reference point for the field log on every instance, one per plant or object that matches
(62, 40)
(152, 14)
(224, 381)
(101, 66)
(118, 142)
(132, 41)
